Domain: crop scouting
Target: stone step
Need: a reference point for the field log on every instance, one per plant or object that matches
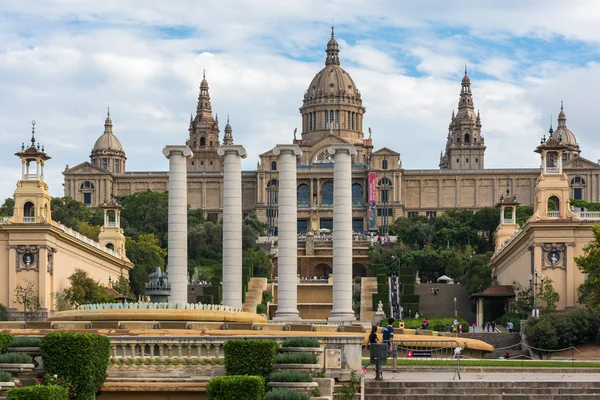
(525, 391)
(478, 385)
(479, 396)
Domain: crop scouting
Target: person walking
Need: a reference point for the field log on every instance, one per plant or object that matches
(510, 326)
(371, 340)
(388, 339)
(493, 326)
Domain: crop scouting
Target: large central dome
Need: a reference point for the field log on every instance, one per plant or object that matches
(332, 103)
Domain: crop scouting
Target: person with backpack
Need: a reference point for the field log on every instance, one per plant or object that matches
(388, 339)
(372, 340)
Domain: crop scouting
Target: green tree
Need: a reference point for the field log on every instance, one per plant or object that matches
(420, 234)
(6, 209)
(589, 265)
(259, 262)
(123, 286)
(146, 255)
(85, 290)
(548, 295)
(486, 221)
(523, 214)
(69, 212)
(146, 213)
(523, 299)
(89, 230)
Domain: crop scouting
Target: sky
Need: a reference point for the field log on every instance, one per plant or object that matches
(63, 62)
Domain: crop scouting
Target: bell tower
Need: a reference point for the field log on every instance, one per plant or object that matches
(508, 218)
(32, 199)
(552, 191)
(111, 234)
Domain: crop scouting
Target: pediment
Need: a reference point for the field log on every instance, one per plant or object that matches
(580, 163)
(85, 168)
(384, 151)
(326, 141)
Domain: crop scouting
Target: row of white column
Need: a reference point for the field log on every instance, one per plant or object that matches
(287, 248)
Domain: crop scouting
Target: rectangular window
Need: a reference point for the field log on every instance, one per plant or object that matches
(412, 214)
(358, 225)
(310, 122)
(431, 214)
(337, 119)
(87, 198)
(302, 226)
(326, 224)
(117, 167)
(105, 164)
(577, 193)
(326, 119)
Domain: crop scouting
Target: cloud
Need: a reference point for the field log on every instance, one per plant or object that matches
(62, 63)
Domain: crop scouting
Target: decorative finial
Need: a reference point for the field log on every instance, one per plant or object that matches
(227, 118)
(42, 148)
(203, 73)
(332, 35)
(33, 133)
(108, 112)
(507, 188)
(544, 138)
(22, 146)
(551, 130)
(561, 105)
(465, 69)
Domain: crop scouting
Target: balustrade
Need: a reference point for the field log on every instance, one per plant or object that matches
(588, 215)
(553, 214)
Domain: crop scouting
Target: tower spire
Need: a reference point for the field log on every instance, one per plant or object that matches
(33, 133)
(228, 137)
(204, 108)
(332, 51)
(562, 118)
(108, 123)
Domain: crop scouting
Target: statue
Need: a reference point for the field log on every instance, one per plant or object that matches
(417, 279)
(380, 307)
(295, 129)
(370, 132)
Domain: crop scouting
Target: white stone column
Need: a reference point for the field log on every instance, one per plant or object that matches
(342, 232)
(178, 257)
(287, 261)
(232, 224)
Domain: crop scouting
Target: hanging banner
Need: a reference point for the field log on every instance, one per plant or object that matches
(372, 201)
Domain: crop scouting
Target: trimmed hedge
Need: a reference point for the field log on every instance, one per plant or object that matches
(384, 298)
(378, 269)
(301, 342)
(412, 307)
(286, 394)
(38, 392)
(5, 339)
(409, 298)
(382, 279)
(408, 289)
(25, 341)
(296, 358)
(15, 358)
(5, 377)
(406, 279)
(407, 271)
(236, 387)
(290, 376)
(383, 289)
(78, 358)
(250, 357)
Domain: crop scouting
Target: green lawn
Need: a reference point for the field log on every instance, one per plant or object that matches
(503, 363)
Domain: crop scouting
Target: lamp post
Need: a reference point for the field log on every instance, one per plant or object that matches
(455, 313)
(533, 283)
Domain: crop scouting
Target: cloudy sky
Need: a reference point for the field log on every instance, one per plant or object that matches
(63, 62)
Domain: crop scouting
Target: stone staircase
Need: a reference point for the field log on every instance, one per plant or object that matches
(256, 286)
(502, 342)
(476, 390)
(368, 287)
(442, 304)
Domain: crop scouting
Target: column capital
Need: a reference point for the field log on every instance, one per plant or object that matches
(280, 148)
(232, 148)
(184, 150)
(334, 148)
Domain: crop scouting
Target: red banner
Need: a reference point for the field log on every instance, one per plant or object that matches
(372, 187)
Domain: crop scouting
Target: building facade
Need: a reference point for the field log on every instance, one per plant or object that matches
(332, 112)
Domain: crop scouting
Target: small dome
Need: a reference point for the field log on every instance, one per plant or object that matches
(332, 80)
(562, 132)
(108, 141)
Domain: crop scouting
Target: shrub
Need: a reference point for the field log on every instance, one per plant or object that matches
(301, 342)
(236, 387)
(286, 394)
(266, 297)
(38, 392)
(5, 377)
(3, 313)
(250, 357)
(25, 341)
(261, 309)
(290, 376)
(79, 358)
(5, 339)
(15, 358)
(296, 358)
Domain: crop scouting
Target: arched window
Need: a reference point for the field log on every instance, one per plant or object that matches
(578, 185)
(29, 210)
(553, 203)
(110, 246)
(384, 185)
(273, 165)
(303, 195)
(357, 194)
(87, 185)
(202, 142)
(323, 158)
(384, 164)
(467, 138)
(327, 194)
(272, 186)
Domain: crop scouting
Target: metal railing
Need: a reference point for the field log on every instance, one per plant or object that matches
(429, 355)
